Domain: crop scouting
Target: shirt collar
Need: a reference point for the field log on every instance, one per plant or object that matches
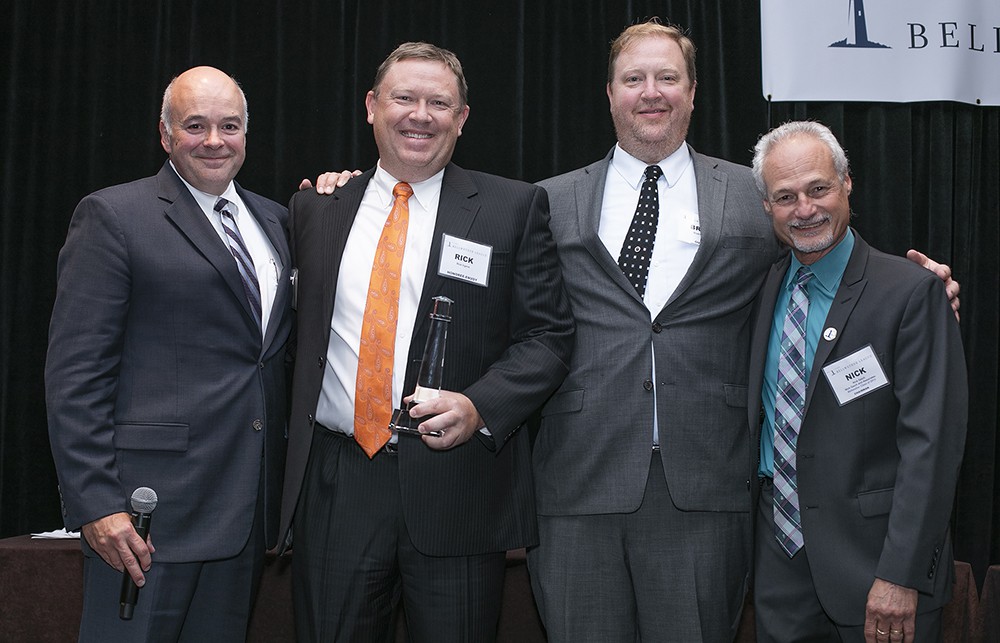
(425, 192)
(205, 200)
(828, 270)
(633, 171)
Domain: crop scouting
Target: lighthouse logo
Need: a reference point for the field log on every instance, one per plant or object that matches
(857, 28)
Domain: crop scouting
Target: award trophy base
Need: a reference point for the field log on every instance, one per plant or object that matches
(403, 424)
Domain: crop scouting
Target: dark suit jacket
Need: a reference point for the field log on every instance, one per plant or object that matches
(877, 476)
(156, 375)
(592, 451)
(508, 348)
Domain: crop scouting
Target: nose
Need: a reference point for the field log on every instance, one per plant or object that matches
(806, 207)
(213, 138)
(649, 88)
(420, 111)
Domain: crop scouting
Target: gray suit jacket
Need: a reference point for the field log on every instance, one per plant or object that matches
(156, 374)
(592, 452)
(877, 476)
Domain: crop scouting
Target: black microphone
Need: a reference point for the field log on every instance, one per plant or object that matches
(143, 504)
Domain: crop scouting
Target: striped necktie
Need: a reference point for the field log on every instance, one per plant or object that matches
(244, 261)
(788, 409)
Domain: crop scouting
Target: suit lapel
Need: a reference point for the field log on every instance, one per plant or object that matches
(852, 284)
(457, 209)
(761, 331)
(589, 194)
(711, 185)
(185, 213)
(275, 233)
(338, 214)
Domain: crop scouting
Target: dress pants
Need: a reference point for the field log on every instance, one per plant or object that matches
(657, 574)
(786, 607)
(189, 602)
(353, 561)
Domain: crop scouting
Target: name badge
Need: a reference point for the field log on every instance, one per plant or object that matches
(856, 375)
(465, 260)
(689, 228)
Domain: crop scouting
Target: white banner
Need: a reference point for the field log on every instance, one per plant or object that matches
(881, 50)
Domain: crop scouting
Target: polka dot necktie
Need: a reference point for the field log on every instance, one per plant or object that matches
(373, 389)
(638, 247)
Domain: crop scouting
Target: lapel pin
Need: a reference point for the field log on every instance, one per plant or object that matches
(830, 334)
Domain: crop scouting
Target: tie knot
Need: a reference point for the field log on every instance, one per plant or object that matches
(803, 276)
(653, 173)
(402, 190)
(221, 205)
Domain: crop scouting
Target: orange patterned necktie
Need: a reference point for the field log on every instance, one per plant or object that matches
(373, 391)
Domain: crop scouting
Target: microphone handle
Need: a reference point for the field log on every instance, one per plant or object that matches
(130, 591)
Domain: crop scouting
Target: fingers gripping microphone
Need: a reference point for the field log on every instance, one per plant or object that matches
(143, 503)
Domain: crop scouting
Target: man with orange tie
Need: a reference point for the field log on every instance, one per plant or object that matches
(379, 516)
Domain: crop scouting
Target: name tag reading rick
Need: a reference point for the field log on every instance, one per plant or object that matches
(856, 375)
(465, 260)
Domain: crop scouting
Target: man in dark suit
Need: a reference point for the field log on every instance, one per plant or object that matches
(166, 369)
(858, 371)
(428, 517)
(643, 462)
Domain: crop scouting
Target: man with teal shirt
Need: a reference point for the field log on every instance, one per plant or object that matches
(858, 373)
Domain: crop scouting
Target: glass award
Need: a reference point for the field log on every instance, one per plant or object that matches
(431, 373)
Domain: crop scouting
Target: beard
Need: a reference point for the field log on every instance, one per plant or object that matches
(651, 142)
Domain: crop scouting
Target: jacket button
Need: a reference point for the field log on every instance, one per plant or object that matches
(257, 425)
(321, 361)
(648, 385)
(309, 418)
(657, 327)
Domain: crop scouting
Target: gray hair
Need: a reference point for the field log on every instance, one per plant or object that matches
(791, 130)
(168, 93)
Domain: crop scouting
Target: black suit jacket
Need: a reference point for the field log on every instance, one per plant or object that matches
(508, 348)
(156, 373)
(877, 476)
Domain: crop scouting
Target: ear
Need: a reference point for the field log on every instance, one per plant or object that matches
(767, 207)
(165, 138)
(464, 116)
(370, 106)
(848, 185)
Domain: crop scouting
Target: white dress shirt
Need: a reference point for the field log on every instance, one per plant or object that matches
(335, 409)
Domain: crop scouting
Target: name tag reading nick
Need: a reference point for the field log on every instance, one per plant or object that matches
(856, 375)
(465, 260)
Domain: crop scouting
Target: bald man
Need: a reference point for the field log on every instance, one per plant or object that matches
(166, 370)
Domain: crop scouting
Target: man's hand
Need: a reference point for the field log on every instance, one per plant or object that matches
(327, 182)
(116, 541)
(455, 416)
(943, 271)
(890, 614)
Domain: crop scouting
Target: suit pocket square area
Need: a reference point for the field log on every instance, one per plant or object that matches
(875, 503)
(152, 437)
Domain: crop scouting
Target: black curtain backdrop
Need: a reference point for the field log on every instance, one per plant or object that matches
(82, 83)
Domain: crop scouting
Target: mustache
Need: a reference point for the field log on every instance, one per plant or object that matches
(803, 223)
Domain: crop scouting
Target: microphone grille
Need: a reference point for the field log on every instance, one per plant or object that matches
(143, 500)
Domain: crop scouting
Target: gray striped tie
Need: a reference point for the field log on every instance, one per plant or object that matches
(243, 259)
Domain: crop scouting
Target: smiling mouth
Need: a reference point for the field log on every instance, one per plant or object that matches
(416, 135)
